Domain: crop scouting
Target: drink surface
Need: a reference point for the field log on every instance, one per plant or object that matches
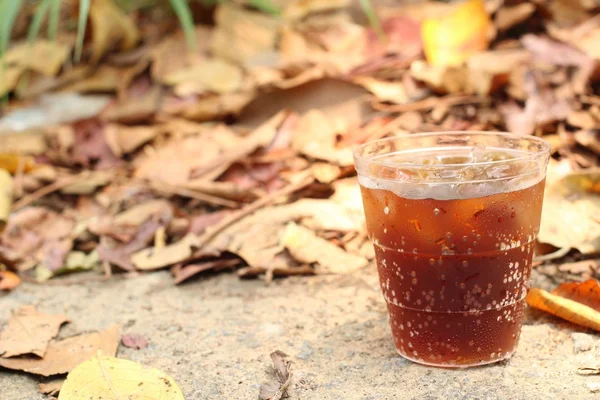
(454, 264)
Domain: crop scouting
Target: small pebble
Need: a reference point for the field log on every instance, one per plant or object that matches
(582, 342)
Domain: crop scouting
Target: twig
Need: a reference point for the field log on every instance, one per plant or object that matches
(207, 198)
(235, 216)
(46, 190)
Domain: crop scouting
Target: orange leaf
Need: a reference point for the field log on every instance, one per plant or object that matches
(587, 292)
(9, 280)
(567, 302)
(451, 39)
(12, 162)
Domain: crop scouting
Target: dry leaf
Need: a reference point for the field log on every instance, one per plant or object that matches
(155, 258)
(325, 172)
(101, 377)
(53, 109)
(138, 214)
(51, 388)
(10, 80)
(29, 332)
(120, 255)
(64, 355)
(584, 37)
(88, 183)
(9, 280)
(587, 293)
(109, 27)
(6, 196)
(39, 235)
(31, 142)
(42, 56)
(393, 92)
(571, 209)
(306, 247)
(316, 137)
(451, 39)
(297, 9)
(507, 17)
(134, 341)
(244, 37)
(577, 302)
(276, 389)
(212, 74)
(183, 273)
(104, 79)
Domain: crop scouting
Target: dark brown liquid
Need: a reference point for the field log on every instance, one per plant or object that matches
(455, 273)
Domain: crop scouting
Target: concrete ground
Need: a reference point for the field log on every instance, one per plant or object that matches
(214, 336)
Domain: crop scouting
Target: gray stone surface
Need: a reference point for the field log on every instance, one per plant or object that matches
(214, 336)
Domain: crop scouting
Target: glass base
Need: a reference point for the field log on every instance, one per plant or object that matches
(455, 365)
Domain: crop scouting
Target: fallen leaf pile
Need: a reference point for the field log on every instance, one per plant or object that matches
(29, 343)
(237, 154)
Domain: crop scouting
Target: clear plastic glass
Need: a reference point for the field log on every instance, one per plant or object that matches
(453, 217)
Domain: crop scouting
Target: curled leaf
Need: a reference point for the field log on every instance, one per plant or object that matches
(577, 302)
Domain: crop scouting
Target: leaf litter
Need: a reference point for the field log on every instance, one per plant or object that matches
(238, 153)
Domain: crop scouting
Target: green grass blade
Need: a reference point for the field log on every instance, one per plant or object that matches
(369, 11)
(265, 5)
(182, 9)
(84, 11)
(38, 18)
(54, 19)
(9, 9)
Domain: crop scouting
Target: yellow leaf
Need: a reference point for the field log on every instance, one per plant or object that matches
(214, 74)
(109, 26)
(104, 377)
(450, 39)
(564, 308)
(42, 56)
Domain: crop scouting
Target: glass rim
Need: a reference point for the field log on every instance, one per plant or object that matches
(358, 156)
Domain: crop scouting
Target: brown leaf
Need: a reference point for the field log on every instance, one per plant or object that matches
(9, 280)
(554, 52)
(156, 258)
(571, 206)
(120, 255)
(507, 17)
(39, 235)
(31, 142)
(297, 9)
(90, 147)
(244, 37)
(183, 273)
(51, 388)
(29, 332)
(276, 389)
(64, 355)
(582, 119)
(584, 36)
(110, 26)
(214, 74)
(43, 56)
(134, 341)
(104, 79)
(199, 223)
(589, 139)
(316, 137)
(306, 247)
(88, 183)
(135, 110)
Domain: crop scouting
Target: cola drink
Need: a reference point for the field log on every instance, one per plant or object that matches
(453, 218)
